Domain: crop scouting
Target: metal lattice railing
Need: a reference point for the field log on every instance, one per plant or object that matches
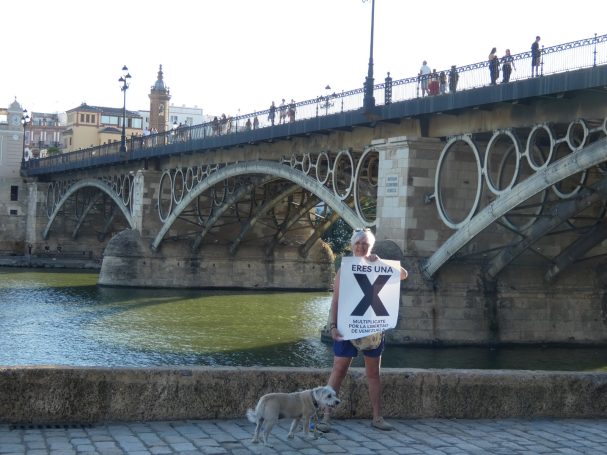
(585, 53)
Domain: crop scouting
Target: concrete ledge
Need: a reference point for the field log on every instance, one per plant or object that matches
(36, 395)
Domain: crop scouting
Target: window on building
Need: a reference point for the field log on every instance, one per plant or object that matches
(136, 123)
(81, 118)
(14, 193)
(109, 120)
(13, 212)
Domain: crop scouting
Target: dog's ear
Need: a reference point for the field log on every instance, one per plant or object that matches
(317, 392)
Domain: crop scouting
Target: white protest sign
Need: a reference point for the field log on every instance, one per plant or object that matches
(369, 296)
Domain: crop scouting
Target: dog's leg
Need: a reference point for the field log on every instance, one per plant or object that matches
(291, 434)
(255, 439)
(268, 424)
(306, 430)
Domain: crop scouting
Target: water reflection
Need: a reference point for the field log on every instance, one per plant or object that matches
(63, 317)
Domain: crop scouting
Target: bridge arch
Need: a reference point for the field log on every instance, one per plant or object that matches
(591, 155)
(264, 168)
(87, 183)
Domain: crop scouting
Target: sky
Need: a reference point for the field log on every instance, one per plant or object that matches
(237, 56)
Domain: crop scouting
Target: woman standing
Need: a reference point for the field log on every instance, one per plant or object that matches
(362, 242)
(507, 66)
(494, 66)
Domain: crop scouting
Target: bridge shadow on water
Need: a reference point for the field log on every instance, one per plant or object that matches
(64, 317)
(305, 353)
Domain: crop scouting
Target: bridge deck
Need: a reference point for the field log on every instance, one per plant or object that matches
(196, 139)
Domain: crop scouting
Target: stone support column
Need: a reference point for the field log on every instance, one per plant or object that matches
(35, 215)
(137, 202)
(145, 196)
(406, 213)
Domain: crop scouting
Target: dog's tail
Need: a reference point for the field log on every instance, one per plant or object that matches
(251, 416)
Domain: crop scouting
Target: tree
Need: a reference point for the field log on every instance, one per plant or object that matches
(338, 237)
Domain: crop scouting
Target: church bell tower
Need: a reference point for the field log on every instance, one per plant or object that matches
(159, 104)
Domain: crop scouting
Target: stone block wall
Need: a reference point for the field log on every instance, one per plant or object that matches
(13, 216)
(458, 309)
(53, 395)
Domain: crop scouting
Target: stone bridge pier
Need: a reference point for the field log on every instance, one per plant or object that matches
(131, 258)
(510, 283)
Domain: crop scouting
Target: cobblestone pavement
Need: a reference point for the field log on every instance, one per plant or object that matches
(428, 436)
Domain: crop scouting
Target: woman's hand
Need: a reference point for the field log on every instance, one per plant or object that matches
(373, 257)
(336, 335)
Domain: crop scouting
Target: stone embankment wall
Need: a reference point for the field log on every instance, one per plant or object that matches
(44, 395)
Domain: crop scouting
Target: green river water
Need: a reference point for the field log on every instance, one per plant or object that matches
(63, 318)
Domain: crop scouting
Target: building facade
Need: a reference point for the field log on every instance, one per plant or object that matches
(186, 115)
(13, 190)
(90, 126)
(43, 134)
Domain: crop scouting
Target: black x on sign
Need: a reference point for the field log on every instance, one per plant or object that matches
(371, 295)
(377, 309)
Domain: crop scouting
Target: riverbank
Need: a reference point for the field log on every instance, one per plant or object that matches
(50, 262)
(52, 394)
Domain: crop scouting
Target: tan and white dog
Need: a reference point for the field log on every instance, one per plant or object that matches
(297, 406)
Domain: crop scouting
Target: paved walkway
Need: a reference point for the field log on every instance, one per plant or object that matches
(428, 437)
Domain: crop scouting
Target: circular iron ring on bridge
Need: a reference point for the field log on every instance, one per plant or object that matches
(343, 156)
(126, 190)
(306, 164)
(532, 147)
(116, 184)
(367, 169)
(577, 135)
(294, 162)
(57, 193)
(437, 182)
(178, 188)
(50, 199)
(582, 181)
(163, 215)
(190, 176)
(199, 174)
(323, 167)
(493, 142)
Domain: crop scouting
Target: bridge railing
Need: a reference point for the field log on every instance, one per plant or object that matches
(570, 56)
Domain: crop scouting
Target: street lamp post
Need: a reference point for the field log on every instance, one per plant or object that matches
(328, 104)
(124, 79)
(369, 100)
(25, 120)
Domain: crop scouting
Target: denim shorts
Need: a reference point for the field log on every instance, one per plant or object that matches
(347, 349)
